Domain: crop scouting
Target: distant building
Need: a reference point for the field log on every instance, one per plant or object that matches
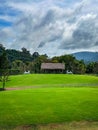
(53, 67)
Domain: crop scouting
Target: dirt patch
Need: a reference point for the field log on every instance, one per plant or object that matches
(53, 85)
(18, 88)
(82, 125)
(26, 127)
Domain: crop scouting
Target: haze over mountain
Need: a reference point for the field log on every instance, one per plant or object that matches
(54, 27)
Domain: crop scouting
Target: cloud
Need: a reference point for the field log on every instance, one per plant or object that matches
(52, 27)
(84, 35)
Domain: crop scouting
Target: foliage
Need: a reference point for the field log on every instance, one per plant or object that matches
(4, 71)
(96, 68)
(25, 61)
(92, 68)
(71, 64)
(78, 67)
(37, 63)
(23, 55)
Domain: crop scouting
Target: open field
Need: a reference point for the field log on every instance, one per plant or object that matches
(52, 104)
(46, 80)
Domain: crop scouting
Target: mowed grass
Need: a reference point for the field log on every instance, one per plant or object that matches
(42, 80)
(50, 100)
(47, 105)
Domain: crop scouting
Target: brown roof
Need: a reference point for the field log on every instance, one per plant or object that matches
(52, 66)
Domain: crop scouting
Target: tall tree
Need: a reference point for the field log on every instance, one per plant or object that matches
(96, 68)
(90, 68)
(68, 60)
(4, 69)
(79, 67)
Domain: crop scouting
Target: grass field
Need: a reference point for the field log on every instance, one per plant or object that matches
(54, 102)
(58, 80)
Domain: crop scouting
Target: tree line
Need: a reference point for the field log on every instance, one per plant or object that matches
(23, 60)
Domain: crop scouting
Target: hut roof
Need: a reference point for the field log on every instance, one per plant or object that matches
(52, 66)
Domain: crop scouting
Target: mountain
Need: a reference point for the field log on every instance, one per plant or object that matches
(86, 56)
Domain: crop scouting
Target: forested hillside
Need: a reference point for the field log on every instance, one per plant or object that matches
(87, 56)
(22, 60)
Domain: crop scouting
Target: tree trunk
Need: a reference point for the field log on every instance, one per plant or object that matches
(3, 83)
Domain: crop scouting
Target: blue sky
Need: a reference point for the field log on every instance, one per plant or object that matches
(54, 27)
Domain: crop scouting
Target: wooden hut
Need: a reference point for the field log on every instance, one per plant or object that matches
(53, 67)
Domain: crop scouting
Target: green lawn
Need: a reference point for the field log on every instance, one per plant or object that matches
(50, 104)
(42, 80)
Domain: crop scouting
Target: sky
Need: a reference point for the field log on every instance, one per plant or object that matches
(52, 27)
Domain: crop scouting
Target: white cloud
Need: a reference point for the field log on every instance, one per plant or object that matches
(24, 7)
(53, 27)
